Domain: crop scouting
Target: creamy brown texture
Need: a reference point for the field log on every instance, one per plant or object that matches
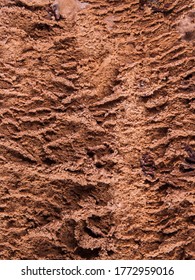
(97, 131)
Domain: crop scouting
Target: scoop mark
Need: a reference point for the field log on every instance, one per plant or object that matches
(67, 8)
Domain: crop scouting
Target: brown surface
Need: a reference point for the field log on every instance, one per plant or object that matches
(97, 131)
